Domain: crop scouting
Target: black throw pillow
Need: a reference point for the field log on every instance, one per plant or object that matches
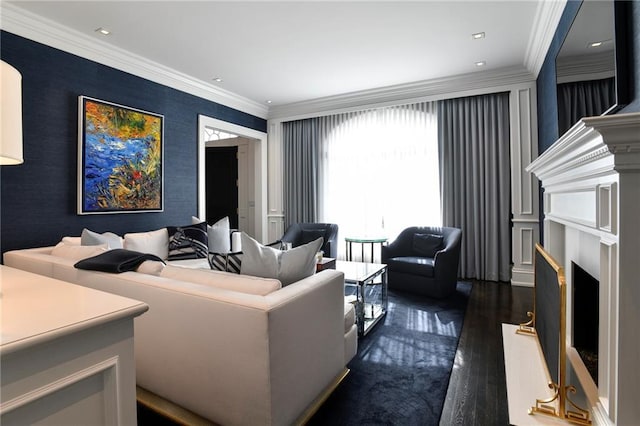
(427, 244)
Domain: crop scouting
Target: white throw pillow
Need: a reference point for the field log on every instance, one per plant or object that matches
(90, 238)
(219, 235)
(287, 266)
(74, 252)
(154, 242)
(223, 280)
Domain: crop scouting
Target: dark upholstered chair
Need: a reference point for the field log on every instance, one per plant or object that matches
(302, 233)
(424, 260)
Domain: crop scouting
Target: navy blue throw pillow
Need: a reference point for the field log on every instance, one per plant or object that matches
(427, 244)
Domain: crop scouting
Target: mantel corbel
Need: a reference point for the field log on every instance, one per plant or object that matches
(621, 134)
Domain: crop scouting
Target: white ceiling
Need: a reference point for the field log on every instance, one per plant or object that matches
(296, 51)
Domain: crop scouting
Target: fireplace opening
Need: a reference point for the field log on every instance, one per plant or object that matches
(585, 318)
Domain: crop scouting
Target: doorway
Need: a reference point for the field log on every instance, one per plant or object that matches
(222, 184)
(255, 174)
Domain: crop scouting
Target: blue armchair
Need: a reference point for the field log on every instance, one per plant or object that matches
(424, 260)
(302, 233)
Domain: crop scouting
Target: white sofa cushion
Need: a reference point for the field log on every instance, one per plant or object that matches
(72, 241)
(151, 267)
(73, 252)
(288, 266)
(191, 263)
(224, 280)
(154, 242)
(349, 316)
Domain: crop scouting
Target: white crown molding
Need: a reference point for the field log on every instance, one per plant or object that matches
(545, 23)
(455, 86)
(589, 67)
(33, 27)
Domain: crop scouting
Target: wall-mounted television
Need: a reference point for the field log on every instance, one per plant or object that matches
(592, 71)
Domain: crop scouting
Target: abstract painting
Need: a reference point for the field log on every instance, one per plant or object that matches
(120, 158)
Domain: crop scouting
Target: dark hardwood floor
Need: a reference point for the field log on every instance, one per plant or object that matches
(477, 393)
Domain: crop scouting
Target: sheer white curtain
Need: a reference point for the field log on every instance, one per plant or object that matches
(379, 171)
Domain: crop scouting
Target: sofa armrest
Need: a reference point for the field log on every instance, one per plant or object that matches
(331, 249)
(397, 248)
(445, 262)
(36, 260)
(388, 251)
(306, 353)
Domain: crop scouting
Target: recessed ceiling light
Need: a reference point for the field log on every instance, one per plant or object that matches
(596, 44)
(103, 31)
(269, 101)
(217, 79)
(477, 36)
(481, 64)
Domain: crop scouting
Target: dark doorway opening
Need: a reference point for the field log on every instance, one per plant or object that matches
(222, 184)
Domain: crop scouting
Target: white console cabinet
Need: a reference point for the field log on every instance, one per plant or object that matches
(66, 353)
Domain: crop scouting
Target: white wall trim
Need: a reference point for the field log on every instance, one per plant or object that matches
(429, 90)
(545, 24)
(42, 30)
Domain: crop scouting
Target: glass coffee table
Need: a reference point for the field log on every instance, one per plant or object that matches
(370, 290)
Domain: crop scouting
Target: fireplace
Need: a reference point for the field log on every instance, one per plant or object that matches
(591, 182)
(585, 300)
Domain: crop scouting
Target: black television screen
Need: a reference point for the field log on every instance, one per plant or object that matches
(592, 65)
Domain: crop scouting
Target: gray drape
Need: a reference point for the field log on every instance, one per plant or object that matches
(301, 154)
(583, 99)
(473, 142)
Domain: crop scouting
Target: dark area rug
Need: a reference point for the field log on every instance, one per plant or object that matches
(401, 372)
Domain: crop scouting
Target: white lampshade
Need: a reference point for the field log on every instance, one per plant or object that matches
(10, 115)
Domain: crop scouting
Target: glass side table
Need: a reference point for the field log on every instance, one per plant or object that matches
(372, 241)
(370, 280)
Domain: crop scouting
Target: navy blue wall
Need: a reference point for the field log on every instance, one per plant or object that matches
(634, 63)
(38, 198)
(546, 82)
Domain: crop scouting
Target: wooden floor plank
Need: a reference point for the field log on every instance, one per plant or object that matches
(477, 393)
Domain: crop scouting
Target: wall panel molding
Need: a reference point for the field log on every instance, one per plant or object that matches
(524, 186)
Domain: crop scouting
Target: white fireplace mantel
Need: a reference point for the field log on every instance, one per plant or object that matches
(591, 183)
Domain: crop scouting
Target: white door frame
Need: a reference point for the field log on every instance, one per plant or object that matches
(260, 166)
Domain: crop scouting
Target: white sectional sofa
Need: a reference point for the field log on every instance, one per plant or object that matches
(232, 357)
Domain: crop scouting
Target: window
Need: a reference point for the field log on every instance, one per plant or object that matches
(379, 171)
